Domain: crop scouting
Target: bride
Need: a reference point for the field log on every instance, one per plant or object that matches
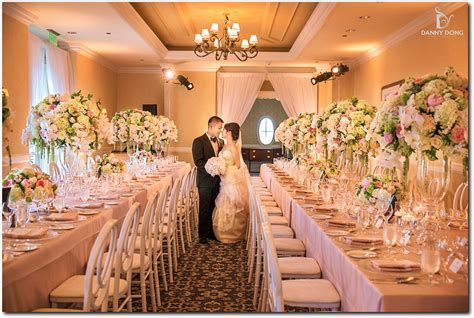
(230, 215)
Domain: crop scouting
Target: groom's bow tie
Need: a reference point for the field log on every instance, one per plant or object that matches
(214, 139)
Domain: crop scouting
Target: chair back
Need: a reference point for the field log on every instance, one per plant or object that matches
(125, 251)
(147, 226)
(182, 197)
(173, 206)
(97, 278)
(159, 219)
(275, 293)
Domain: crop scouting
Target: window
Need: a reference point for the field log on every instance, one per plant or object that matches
(266, 130)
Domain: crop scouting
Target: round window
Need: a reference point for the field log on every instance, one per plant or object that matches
(266, 130)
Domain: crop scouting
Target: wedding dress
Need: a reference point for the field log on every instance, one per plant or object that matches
(230, 215)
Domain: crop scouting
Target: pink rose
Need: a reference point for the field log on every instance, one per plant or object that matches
(8, 183)
(337, 141)
(398, 130)
(457, 134)
(388, 138)
(435, 100)
(378, 184)
(41, 183)
(53, 106)
(365, 183)
(418, 81)
(26, 183)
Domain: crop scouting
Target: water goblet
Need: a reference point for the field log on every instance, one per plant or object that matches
(7, 213)
(326, 193)
(390, 235)
(430, 261)
(363, 218)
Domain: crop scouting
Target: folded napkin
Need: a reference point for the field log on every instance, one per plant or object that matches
(395, 265)
(109, 197)
(364, 240)
(303, 192)
(124, 190)
(324, 208)
(340, 222)
(26, 233)
(69, 216)
(91, 205)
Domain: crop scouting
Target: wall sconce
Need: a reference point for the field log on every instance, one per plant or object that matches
(336, 71)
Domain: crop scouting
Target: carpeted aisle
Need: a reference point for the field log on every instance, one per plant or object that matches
(211, 278)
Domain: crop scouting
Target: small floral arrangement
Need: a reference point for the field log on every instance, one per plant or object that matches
(27, 184)
(327, 167)
(109, 164)
(215, 166)
(377, 190)
(166, 131)
(143, 154)
(135, 126)
(68, 120)
(344, 125)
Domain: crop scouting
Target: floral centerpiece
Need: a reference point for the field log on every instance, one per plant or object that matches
(299, 130)
(67, 120)
(25, 184)
(377, 190)
(143, 154)
(134, 126)
(328, 168)
(344, 125)
(167, 131)
(109, 164)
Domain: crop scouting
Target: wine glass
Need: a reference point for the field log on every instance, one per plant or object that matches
(326, 193)
(84, 194)
(363, 218)
(7, 213)
(404, 233)
(22, 215)
(430, 261)
(390, 235)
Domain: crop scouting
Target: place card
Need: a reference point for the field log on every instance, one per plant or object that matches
(456, 265)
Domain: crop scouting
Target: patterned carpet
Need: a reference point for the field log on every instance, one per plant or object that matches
(211, 278)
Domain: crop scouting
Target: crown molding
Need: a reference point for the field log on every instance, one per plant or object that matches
(315, 22)
(139, 70)
(19, 13)
(134, 20)
(85, 51)
(411, 28)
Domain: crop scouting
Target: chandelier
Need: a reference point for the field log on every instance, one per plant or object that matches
(208, 43)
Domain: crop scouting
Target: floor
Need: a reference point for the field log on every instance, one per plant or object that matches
(211, 278)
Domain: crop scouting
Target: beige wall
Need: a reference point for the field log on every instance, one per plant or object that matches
(134, 90)
(190, 110)
(93, 78)
(415, 56)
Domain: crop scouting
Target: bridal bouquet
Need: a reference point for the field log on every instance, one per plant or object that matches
(135, 126)
(434, 114)
(109, 164)
(166, 130)
(215, 166)
(27, 184)
(344, 126)
(68, 120)
(377, 190)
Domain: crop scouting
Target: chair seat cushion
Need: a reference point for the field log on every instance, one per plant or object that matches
(263, 193)
(299, 267)
(269, 204)
(136, 262)
(282, 231)
(318, 293)
(278, 220)
(265, 198)
(273, 210)
(73, 288)
(289, 245)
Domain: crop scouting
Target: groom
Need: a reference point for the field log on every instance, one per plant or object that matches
(205, 147)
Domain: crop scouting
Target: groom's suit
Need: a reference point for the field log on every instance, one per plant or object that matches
(208, 186)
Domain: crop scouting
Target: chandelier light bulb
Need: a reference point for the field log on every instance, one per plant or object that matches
(245, 44)
(205, 34)
(214, 28)
(233, 34)
(253, 39)
(236, 27)
(198, 39)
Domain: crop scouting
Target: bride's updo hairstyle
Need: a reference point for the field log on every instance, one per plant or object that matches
(234, 129)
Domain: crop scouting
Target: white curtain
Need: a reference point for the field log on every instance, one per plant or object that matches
(37, 57)
(295, 91)
(236, 93)
(59, 70)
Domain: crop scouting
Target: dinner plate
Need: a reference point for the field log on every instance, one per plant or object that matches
(22, 247)
(50, 234)
(61, 227)
(7, 258)
(127, 195)
(367, 266)
(337, 232)
(88, 212)
(321, 217)
(361, 254)
(112, 202)
(80, 218)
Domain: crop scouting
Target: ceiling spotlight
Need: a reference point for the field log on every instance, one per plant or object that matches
(344, 35)
(108, 33)
(185, 82)
(72, 32)
(169, 74)
(364, 17)
(350, 30)
(336, 70)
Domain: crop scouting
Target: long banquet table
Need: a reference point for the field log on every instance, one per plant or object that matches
(29, 278)
(361, 288)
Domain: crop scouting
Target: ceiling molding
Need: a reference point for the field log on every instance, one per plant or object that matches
(313, 25)
(273, 9)
(128, 13)
(139, 70)
(85, 51)
(19, 13)
(411, 28)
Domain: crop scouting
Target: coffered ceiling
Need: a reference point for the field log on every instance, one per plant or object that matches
(277, 24)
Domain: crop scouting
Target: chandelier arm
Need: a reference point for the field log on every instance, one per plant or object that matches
(218, 54)
(252, 52)
(240, 55)
(200, 52)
